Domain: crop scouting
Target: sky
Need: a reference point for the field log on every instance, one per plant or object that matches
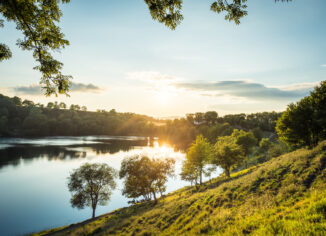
(122, 59)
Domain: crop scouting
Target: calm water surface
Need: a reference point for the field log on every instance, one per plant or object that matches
(33, 177)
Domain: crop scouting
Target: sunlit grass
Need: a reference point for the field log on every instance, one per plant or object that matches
(285, 196)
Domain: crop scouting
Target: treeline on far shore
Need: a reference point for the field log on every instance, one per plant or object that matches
(24, 118)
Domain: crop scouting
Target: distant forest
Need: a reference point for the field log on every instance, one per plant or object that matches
(24, 118)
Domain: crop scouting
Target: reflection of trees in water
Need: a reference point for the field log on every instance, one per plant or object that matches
(114, 146)
(13, 155)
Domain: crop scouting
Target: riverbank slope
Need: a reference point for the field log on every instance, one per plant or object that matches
(286, 195)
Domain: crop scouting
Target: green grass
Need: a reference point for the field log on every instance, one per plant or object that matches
(284, 196)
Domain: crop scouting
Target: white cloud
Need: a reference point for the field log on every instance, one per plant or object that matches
(36, 89)
(248, 89)
(296, 87)
(151, 76)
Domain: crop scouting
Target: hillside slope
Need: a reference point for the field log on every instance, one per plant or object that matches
(286, 195)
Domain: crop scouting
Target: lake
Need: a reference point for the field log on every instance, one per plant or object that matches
(33, 177)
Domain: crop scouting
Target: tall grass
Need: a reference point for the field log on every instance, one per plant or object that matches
(284, 196)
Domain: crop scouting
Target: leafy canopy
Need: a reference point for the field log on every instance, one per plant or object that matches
(245, 139)
(144, 176)
(197, 158)
(37, 20)
(91, 184)
(304, 122)
(227, 153)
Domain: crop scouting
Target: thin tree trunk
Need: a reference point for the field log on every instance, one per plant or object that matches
(227, 172)
(154, 195)
(93, 215)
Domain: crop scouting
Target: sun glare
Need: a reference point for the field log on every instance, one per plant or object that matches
(163, 97)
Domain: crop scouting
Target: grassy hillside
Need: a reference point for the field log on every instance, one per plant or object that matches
(286, 195)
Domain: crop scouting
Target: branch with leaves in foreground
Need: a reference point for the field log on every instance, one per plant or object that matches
(38, 20)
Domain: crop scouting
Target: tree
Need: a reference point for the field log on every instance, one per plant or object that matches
(190, 118)
(168, 11)
(3, 125)
(189, 173)
(246, 140)
(50, 105)
(27, 103)
(199, 117)
(227, 153)
(144, 176)
(304, 123)
(197, 157)
(74, 107)
(62, 105)
(318, 100)
(38, 19)
(56, 105)
(211, 117)
(264, 145)
(91, 184)
(277, 149)
(258, 133)
(17, 101)
(35, 123)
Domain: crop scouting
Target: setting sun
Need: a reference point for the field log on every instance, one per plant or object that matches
(163, 97)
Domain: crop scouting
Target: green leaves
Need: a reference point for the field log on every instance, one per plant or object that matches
(245, 139)
(37, 20)
(166, 11)
(197, 157)
(144, 176)
(235, 10)
(304, 123)
(5, 52)
(91, 184)
(227, 153)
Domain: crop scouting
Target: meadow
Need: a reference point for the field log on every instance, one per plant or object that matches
(284, 196)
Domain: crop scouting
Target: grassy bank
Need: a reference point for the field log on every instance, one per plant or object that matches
(286, 195)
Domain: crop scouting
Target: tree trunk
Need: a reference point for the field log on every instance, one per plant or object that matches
(201, 177)
(154, 195)
(227, 172)
(93, 215)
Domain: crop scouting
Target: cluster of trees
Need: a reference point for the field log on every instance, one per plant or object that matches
(238, 150)
(304, 123)
(25, 118)
(182, 132)
(229, 151)
(264, 120)
(92, 184)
